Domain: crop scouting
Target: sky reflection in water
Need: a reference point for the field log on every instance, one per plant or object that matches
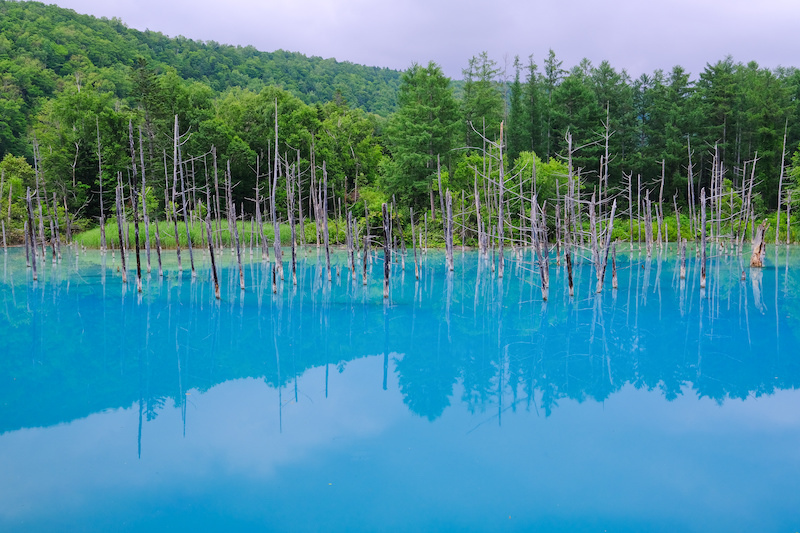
(465, 404)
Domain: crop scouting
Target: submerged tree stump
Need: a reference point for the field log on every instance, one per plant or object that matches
(759, 246)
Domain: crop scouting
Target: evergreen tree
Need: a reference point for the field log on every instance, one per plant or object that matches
(519, 138)
(423, 128)
(482, 105)
(535, 104)
(575, 110)
(552, 78)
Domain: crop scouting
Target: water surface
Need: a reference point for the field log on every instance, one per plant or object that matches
(464, 403)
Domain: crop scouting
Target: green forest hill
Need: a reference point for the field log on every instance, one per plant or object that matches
(75, 87)
(44, 47)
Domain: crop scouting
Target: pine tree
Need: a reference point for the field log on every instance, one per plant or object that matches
(422, 129)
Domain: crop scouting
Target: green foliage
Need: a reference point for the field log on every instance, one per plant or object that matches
(420, 132)
(17, 175)
(75, 83)
(483, 104)
(550, 175)
(44, 48)
(374, 199)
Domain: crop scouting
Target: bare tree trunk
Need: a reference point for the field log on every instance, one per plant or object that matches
(601, 268)
(238, 248)
(275, 225)
(568, 257)
(135, 207)
(387, 259)
(100, 182)
(639, 208)
(780, 185)
(647, 207)
(540, 247)
(144, 203)
(703, 238)
(325, 221)
(365, 256)
(789, 218)
(183, 199)
(463, 222)
(27, 240)
(500, 219)
(211, 254)
(481, 244)
(351, 244)
(759, 246)
(448, 234)
(439, 178)
(119, 231)
(414, 244)
(677, 216)
(300, 204)
(614, 280)
(593, 233)
(31, 238)
(219, 204)
(630, 209)
(690, 192)
(661, 200)
(56, 230)
(290, 184)
(158, 251)
(683, 258)
(259, 221)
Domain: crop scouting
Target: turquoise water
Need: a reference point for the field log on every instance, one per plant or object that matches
(466, 403)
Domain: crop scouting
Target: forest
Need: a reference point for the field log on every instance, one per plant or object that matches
(84, 101)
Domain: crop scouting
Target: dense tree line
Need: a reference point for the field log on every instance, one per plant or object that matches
(44, 48)
(72, 85)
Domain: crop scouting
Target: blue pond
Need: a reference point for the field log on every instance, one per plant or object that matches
(464, 403)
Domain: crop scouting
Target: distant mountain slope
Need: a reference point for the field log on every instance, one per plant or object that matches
(43, 44)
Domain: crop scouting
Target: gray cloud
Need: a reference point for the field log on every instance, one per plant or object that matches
(635, 35)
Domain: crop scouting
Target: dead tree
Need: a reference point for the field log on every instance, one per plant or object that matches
(614, 280)
(100, 182)
(178, 165)
(759, 246)
(238, 248)
(539, 229)
(600, 266)
(448, 234)
(119, 231)
(158, 251)
(387, 259)
(31, 238)
(290, 208)
(500, 218)
(275, 226)
(325, 221)
(703, 238)
(135, 208)
(780, 184)
(414, 244)
(211, 254)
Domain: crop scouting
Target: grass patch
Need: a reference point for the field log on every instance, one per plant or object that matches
(198, 234)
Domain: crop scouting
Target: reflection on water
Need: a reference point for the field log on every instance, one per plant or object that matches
(78, 342)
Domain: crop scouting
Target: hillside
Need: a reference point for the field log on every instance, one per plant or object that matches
(42, 47)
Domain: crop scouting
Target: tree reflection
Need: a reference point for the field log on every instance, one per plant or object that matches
(488, 345)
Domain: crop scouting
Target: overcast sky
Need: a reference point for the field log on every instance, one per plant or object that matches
(637, 35)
